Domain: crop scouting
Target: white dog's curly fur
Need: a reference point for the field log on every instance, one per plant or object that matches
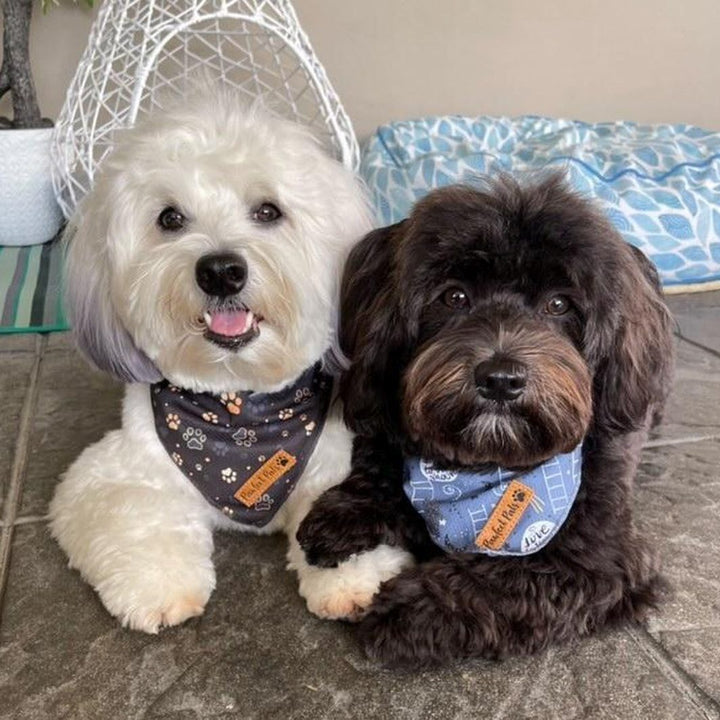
(127, 517)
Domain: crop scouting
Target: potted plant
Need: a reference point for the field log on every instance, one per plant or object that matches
(29, 213)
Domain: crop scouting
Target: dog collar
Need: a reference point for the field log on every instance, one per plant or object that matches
(243, 451)
(498, 511)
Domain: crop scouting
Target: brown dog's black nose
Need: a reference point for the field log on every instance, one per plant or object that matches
(500, 379)
(221, 274)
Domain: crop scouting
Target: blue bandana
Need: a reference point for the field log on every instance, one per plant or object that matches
(497, 511)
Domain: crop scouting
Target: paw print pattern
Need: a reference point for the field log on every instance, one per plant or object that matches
(232, 402)
(309, 428)
(210, 417)
(264, 503)
(173, 421)
(245, 438)
(194, 438)
(285, 414)
(220, 447)
(301, 394)
(177, 459)
(228, 475)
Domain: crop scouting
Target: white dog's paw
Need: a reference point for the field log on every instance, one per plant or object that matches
(340, 602)
(147, 551)
(149, 609)
(345, 592)
(174, 611)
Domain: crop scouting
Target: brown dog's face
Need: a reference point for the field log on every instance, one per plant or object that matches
(496, 379)
(496, 319)
(497, 374)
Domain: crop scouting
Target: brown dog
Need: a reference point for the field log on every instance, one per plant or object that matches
(500, 327)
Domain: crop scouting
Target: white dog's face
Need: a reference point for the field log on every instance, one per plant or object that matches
(211, 248)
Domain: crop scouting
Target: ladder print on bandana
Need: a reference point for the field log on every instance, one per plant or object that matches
(478, 518)
(422, 489)
(556, 488)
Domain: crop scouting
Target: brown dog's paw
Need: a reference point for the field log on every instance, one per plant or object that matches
(336, 529)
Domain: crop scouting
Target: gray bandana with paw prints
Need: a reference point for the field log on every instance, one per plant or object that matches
(243, 451)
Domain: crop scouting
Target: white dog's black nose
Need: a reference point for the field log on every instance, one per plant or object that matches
(500, 379)
(221, 274)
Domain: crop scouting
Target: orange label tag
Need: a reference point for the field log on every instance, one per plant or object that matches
(265, 476)
(510, 508)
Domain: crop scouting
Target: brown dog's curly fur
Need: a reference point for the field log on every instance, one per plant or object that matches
(475, 275)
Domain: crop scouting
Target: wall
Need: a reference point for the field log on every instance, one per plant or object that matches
(644, 60)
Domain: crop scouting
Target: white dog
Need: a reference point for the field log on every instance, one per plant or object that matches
(203, 270)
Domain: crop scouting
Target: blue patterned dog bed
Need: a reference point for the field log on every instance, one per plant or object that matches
(659, 184)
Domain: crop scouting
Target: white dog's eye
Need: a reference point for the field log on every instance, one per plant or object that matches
(266, 213)
(171, 219)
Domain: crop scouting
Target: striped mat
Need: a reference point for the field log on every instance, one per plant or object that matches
(31, 288)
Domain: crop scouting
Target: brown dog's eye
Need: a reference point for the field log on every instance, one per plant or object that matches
(171, 219)
(557, 305)
(266, 213)
(456, 298)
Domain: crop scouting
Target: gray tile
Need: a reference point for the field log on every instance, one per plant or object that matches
(256, 653)
(688, 302)
(693, 408)
(17, 342)
(703, 327)
(698, 318)
(696, 651)
(60, 342)
(76, 406)
(15, 369)
(600, 678)
(61, 655)
(677, 501)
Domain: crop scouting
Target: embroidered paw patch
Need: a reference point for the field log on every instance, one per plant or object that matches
(263, 478)
(514, 502)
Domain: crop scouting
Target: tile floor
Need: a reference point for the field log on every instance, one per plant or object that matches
(256, 653)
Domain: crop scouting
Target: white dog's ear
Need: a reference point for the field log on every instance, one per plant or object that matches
(98, 331)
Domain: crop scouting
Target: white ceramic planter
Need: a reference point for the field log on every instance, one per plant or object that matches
(29, 213)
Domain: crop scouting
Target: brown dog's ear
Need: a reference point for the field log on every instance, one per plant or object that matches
(648, 269)
(634, 348)
(372, 334)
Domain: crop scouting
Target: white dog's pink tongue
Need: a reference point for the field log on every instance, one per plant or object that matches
(230, 323)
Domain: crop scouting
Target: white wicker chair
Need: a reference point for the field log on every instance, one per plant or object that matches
(140, 47)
